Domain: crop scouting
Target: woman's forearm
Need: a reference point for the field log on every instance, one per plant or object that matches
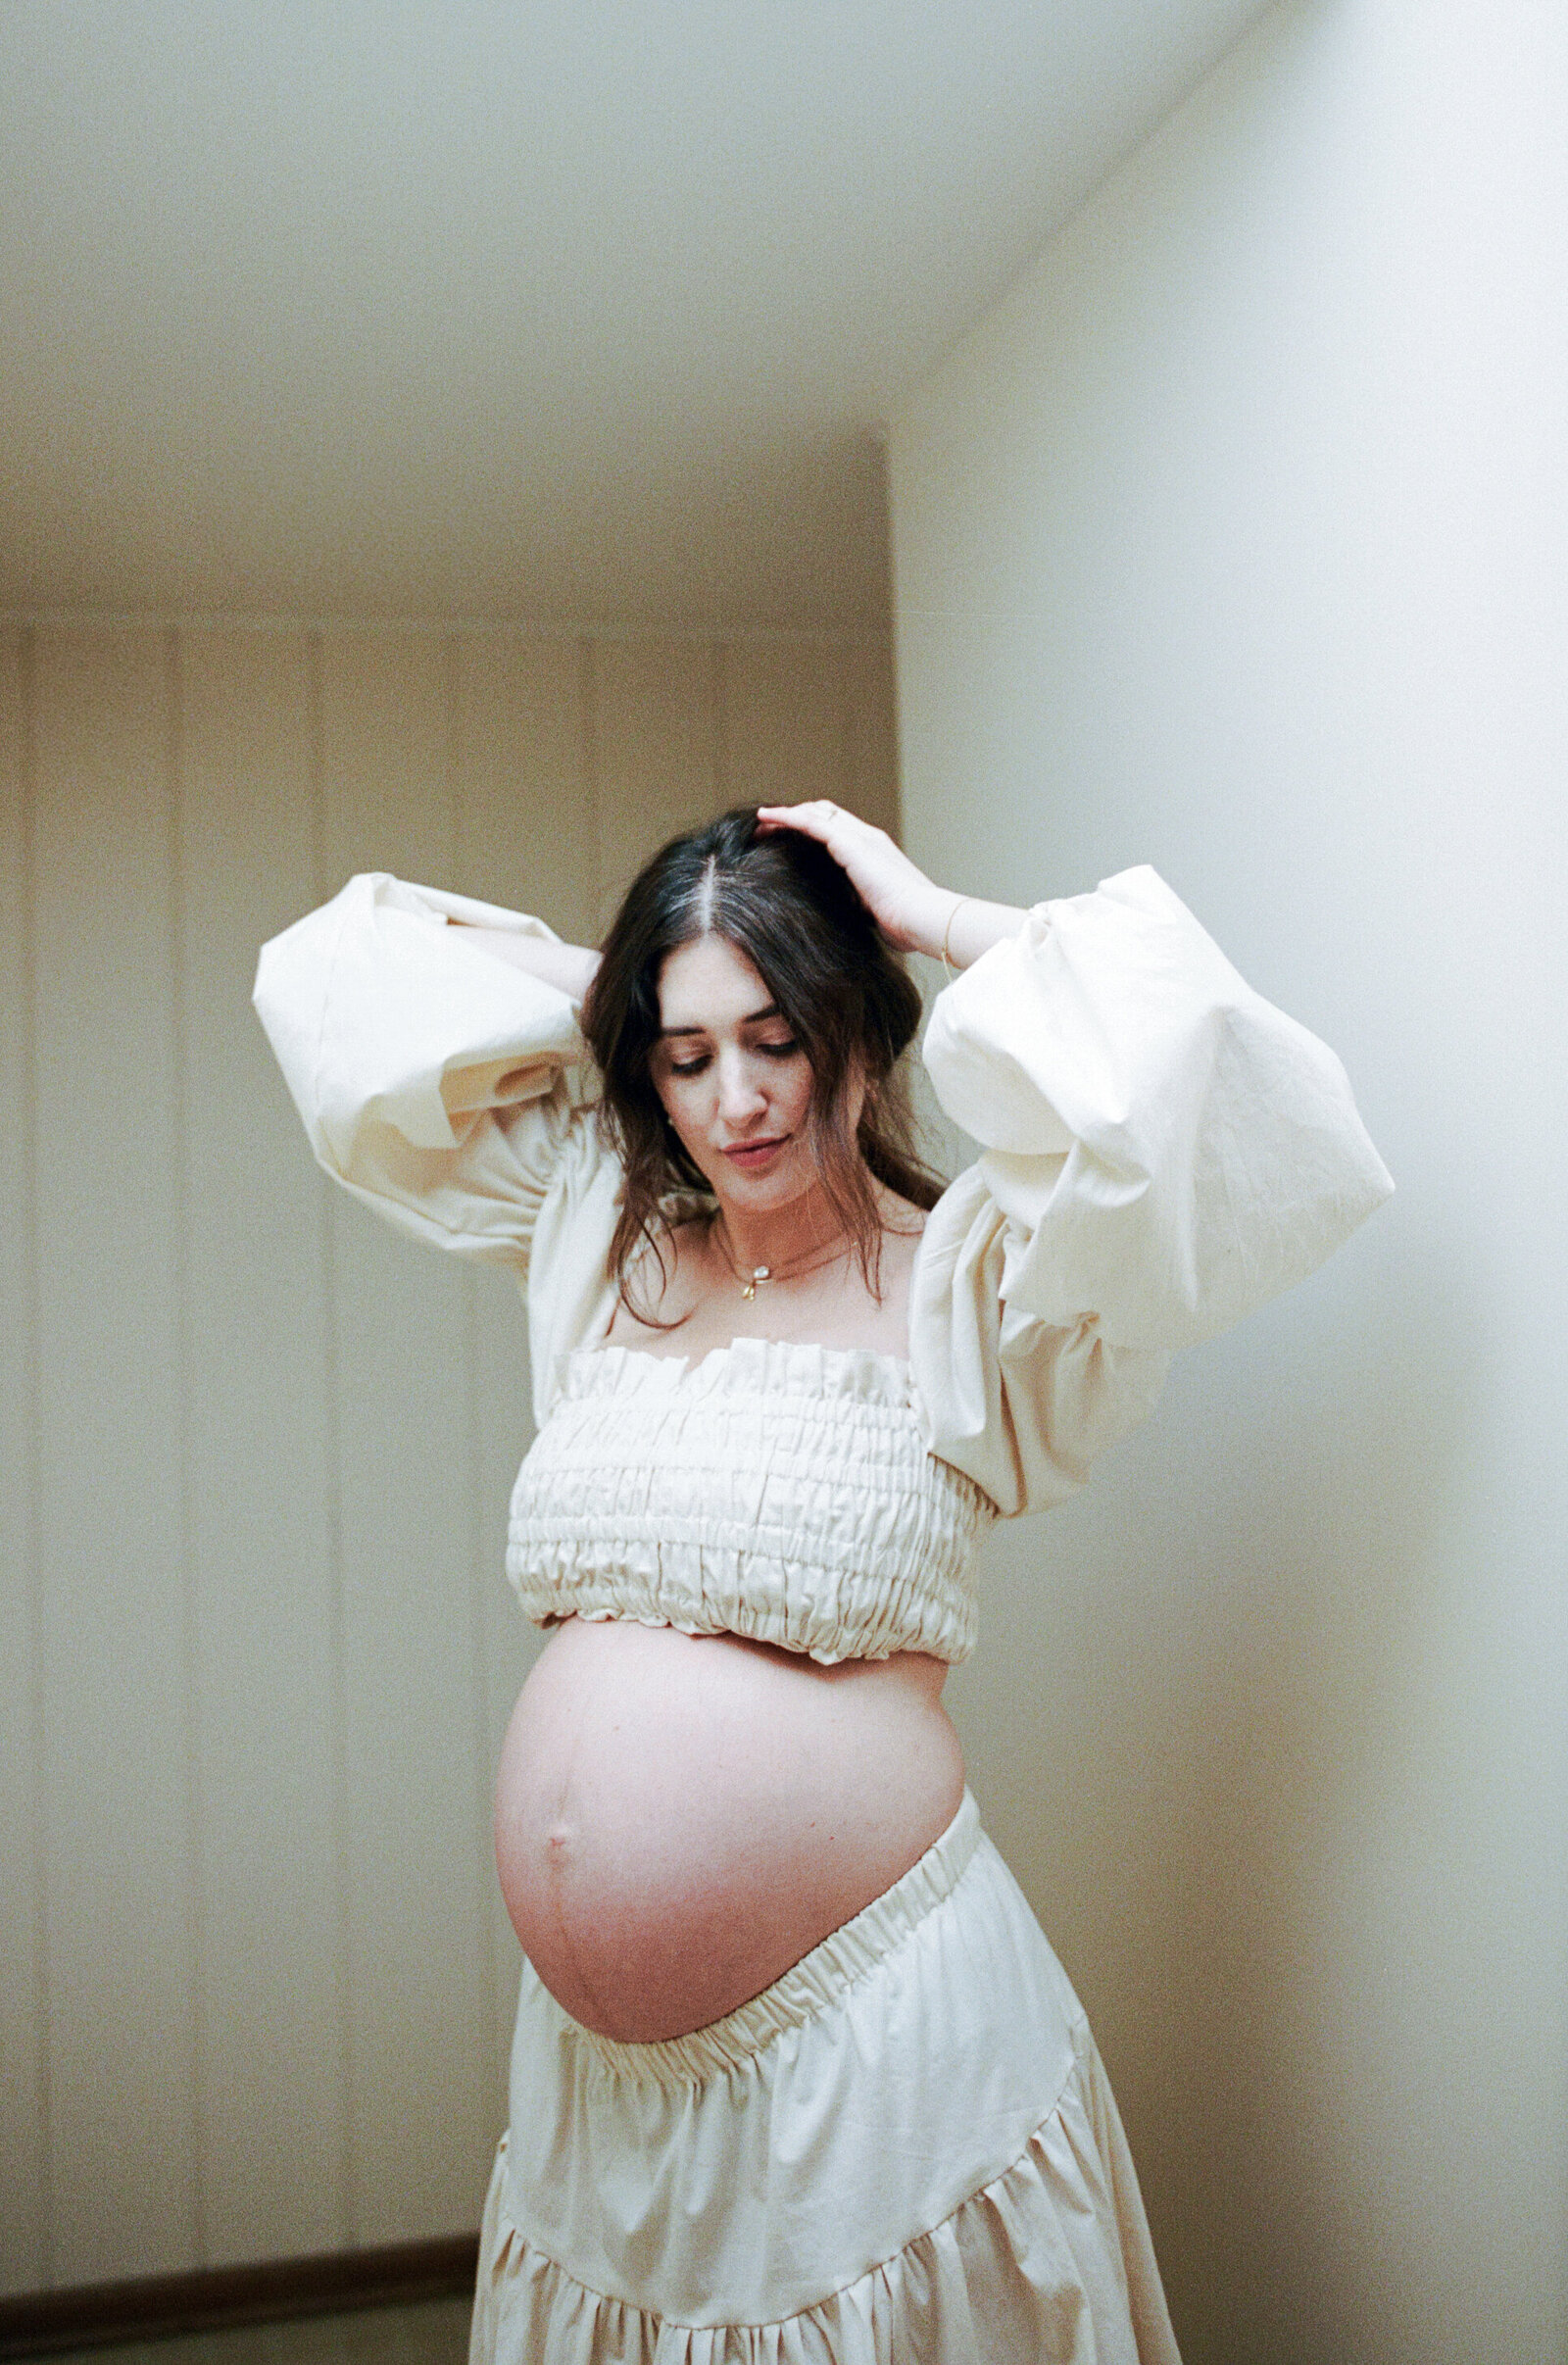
(570, 967)
(969, 927)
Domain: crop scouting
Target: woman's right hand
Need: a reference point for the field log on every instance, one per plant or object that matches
(912, 911)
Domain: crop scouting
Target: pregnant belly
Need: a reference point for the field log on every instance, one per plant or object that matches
(679, 1819)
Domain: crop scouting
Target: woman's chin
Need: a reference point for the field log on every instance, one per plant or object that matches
(763, 1190)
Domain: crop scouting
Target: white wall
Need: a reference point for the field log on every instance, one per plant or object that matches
(1234, 540)
(256, 1647)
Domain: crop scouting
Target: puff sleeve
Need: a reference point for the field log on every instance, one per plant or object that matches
(442, 1086)
(1161, 1152)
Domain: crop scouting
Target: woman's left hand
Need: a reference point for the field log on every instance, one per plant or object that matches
(910, 910)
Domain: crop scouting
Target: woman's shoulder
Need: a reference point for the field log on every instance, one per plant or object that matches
(667, 1279)
(904, 1226)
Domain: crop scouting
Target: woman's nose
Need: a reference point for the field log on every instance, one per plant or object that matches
(740, 1092)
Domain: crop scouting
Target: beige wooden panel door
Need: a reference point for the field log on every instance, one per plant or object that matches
(271, 2001)
(422, 2003)
(119, 1727)
(24, 2214)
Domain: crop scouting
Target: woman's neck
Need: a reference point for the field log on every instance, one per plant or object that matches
(805, 1230)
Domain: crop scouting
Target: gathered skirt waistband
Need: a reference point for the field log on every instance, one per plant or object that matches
(908, 2131)
(813, 1985)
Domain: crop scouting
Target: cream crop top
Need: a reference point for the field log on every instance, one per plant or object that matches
(1160, 1152)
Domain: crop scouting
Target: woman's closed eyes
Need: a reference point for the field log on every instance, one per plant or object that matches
(695, 1068)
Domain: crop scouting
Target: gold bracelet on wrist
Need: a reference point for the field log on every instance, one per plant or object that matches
(948, 932)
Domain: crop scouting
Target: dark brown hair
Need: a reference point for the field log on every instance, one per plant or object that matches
(782, 901)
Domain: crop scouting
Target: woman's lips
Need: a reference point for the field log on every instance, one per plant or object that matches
(748, 1155)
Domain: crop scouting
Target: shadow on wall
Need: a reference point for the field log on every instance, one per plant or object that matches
(1197, 1672)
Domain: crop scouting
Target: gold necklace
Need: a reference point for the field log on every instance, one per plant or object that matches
(751, 1283)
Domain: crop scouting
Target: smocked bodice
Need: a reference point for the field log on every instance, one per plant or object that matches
(775, 1489)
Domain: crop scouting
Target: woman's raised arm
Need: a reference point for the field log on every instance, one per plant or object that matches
(432, 1048)
(570, 968)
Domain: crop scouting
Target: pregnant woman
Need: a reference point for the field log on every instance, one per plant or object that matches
(797, 2077)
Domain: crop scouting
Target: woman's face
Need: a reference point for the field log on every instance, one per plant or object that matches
(735, 1084)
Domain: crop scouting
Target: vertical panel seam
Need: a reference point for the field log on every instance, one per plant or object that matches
(196, 1902)
(473, 1523)
(713, 653)
(888, 654)
(721, 722)
(588, 749)
(459, 789)
(32, 1480)
(851, 773)
(490, 2001)
(346, 2197)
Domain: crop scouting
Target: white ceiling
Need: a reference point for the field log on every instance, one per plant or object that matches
(584, 313)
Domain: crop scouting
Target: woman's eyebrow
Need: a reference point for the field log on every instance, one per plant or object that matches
(752, 1018)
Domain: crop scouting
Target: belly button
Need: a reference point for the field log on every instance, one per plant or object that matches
(557, 1847)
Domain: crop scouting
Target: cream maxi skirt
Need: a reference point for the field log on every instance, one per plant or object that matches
(904, 2153)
